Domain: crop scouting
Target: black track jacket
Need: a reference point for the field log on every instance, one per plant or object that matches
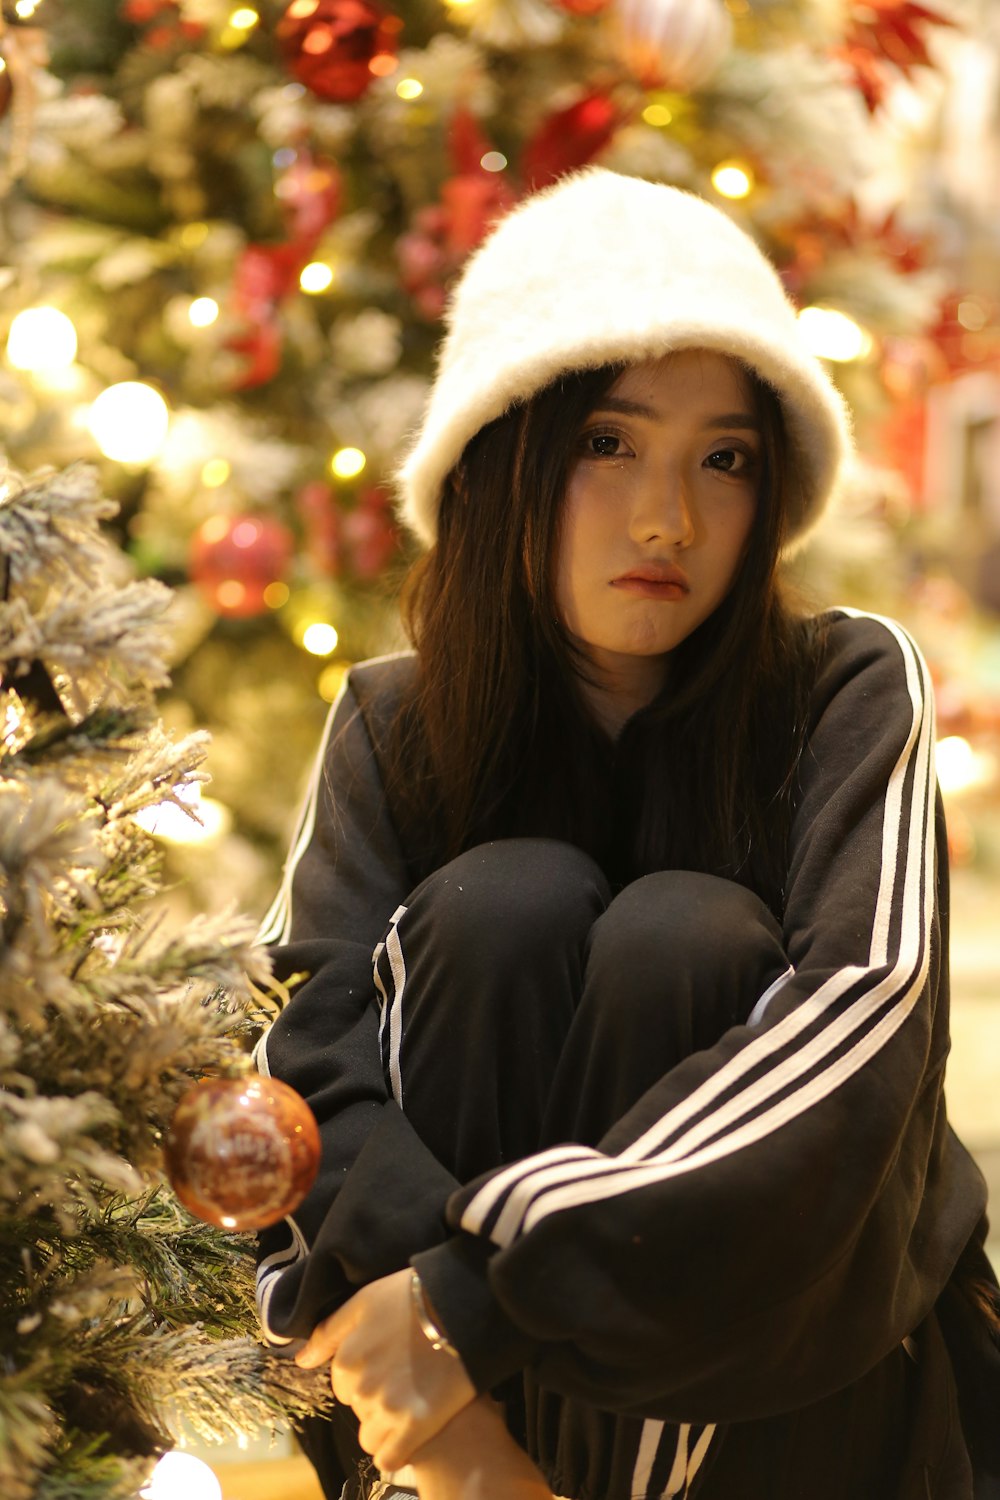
(806, 1154)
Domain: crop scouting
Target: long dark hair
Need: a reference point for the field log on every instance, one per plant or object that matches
(495, 740)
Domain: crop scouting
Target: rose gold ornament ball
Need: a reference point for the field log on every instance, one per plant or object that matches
(242, 1153)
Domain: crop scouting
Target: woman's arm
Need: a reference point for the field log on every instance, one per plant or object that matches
(780, 1210)
(379, 1195)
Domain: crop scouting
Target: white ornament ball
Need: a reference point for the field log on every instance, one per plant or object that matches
(672, 44)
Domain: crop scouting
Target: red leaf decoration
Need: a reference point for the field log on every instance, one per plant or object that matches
(883, 33)
(569, 138)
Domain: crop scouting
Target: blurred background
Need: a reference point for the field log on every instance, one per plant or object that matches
(228, 233)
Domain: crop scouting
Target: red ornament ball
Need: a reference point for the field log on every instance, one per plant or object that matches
(242, 1153)
(234, 559)
(330, 46)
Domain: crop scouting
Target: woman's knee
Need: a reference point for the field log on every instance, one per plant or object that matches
(513, 897)
(681, 931)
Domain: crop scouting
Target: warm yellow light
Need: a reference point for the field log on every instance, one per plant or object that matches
(346, 463)
(382, 64)
(129, 422)
(831, 334)
(25, 9)
(960, 767)
(320, 639)
(657, 114)
(244, 19)
(3, 65)
(493, 161)
(181, 1476)
(193, 235)
(331, 680)
(275, 595)
(215, 473)
(457, 4)
(972, 315)
(733, 180)
(230, 594)
(41, 339)
(203, 311)
(409, 88)
(214, 529)
(316, 277)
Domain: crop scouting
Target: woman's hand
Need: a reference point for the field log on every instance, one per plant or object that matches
(475, 1458)
(403, 1391)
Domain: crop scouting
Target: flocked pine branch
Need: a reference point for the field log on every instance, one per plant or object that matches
(120, 1315)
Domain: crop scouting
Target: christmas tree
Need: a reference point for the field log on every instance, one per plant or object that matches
(230, 236)
(121, 1315)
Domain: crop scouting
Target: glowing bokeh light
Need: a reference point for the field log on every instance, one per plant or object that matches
(832, 335)
(129, 422)
(41, 339)
(316, 277)
(733, 180)
(320, 639)
(203, 312)
(346, 463)
(181, 1476)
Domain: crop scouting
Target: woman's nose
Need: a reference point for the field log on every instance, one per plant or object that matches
(663, 512)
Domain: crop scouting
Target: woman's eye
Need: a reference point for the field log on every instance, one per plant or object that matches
(604, 444)
(730, 460)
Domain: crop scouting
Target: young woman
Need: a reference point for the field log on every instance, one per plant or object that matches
(637, 1121)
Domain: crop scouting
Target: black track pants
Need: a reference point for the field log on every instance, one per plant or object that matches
(536, 1009)
(524, 1006)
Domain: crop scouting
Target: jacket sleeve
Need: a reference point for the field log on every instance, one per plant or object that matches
(778, 1212)
(379, 1195)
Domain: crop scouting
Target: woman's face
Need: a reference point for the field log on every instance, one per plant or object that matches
(659, 504)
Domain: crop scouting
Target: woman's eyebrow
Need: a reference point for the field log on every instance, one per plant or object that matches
(744, 419)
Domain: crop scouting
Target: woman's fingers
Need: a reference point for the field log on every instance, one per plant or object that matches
(382, 1365)
(327, 1337)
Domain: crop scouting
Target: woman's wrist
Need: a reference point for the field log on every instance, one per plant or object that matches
(427, 1319)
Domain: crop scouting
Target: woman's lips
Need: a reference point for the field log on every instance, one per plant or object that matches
(654, 583)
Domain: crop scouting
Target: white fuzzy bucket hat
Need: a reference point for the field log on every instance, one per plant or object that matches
(601, 269)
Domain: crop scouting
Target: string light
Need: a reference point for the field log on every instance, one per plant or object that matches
(959, 767)
(25, 9)
(493, 161)
(230, 594)
(215, 473)
(194, 235)
(244, 19)
(657, 114)
(41, 339)
(319, 639)
(171, 823)
(276, 594)
(409, 88)
(331, 680)
(129, 422)
(214, 529)
(181, 1476)
(382, 64)
(203, 312)
(832, 335)
(347, 463)
(972, 315)
(733, 179)
(316, 277)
